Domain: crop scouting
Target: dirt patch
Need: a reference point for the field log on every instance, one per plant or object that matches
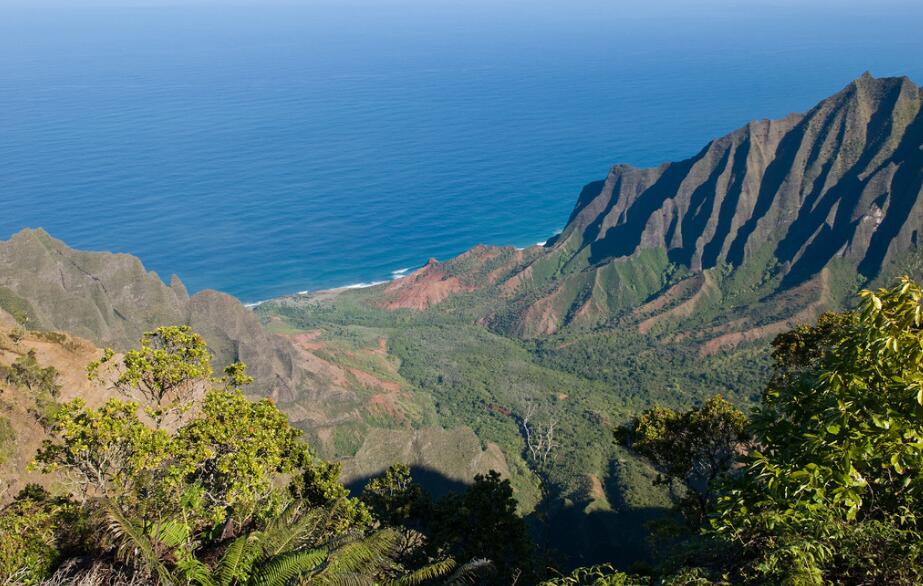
(306, 340)
(481, 253)
(700, 286)
(504, 269)
(512, 284)
(542, 319)
(595, 488)
(422, 289)
(809, 313)
(69, 356)
(384, 403)
(370, 380)
(316, 365)
(675, 293)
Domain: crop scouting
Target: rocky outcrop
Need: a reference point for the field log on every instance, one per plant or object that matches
(111, 299)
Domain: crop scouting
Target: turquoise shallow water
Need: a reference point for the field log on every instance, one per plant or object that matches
(266, 148)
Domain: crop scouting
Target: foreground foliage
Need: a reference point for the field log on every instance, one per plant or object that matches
(187, 481)
(832, 488)
(822, 484)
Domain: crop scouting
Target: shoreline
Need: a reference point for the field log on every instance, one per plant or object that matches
(395, 275)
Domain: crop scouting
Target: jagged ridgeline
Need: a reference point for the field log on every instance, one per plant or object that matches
(666, 286)
(783, 217)
(776, 205)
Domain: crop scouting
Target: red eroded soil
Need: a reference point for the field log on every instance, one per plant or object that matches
(422, 289)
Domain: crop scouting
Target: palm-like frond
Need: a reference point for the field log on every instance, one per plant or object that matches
(287, 532)
(367, 555)
(234, 563)
(283, 569)
(342, 579)
(171, 533)
(470, 572)
(135, 548)
(195, 572)
(426, 573)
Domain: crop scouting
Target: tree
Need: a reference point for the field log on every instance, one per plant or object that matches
(833, 490)
(482, 523)
(319, 486)
(696, 448)
(222, 466)
(163, 372)
(227, 460)
(106, 452)
(538, 430)
(395, 499)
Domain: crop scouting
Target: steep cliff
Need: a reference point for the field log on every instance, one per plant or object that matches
(778, 220)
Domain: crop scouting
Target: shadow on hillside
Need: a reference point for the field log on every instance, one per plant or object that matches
(569, 532)
(579, 535)
(434, 482)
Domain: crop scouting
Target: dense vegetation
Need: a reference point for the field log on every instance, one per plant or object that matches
(829, 484)
(186, 481)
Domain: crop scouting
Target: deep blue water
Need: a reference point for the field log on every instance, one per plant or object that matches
(265, 148)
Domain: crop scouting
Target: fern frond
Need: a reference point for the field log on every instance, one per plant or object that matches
(171, 533)
(345, 579)
(282, 569)
(426, 573)
(233, 564)
(470, 572)
(288, 531)
(368, 554)
(195, 572)
(135, 547)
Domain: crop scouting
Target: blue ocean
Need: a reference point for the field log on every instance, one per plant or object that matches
(268, 147)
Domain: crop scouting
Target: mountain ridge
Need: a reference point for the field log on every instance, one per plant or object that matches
(836, 189)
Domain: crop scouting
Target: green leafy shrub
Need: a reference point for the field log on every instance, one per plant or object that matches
(27, 373)
(36, 531)
(833, 490)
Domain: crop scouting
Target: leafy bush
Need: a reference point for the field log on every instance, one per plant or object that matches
(833, 490)
(27, 373)
(37, 530)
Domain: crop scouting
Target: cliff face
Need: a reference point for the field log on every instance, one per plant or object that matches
(110, 299)
(774, 212)
(842, 180)
(773, 223)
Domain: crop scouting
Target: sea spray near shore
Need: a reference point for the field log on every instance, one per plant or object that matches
(361, 285)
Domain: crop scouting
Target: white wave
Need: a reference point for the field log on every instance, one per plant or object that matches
(254, 304)
(362, 285)
(399, 273)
